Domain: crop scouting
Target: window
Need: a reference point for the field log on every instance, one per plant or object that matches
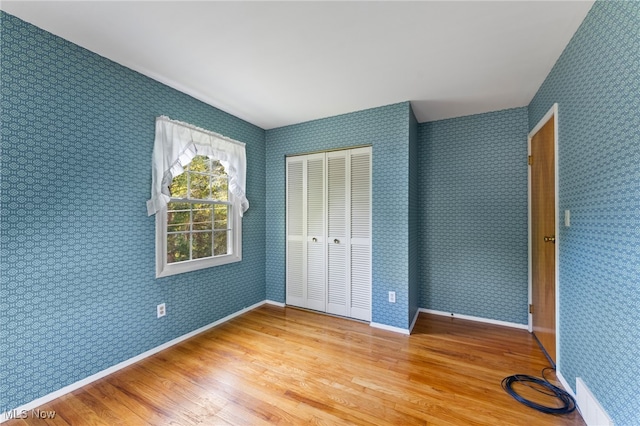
(197, 196)
(198, 228)
(198, 224)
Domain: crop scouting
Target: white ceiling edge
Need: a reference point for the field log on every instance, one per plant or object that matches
(453, 76)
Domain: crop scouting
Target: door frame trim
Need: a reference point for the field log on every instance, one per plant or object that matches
(551, 114)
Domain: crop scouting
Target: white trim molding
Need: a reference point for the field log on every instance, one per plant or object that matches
(6, 416)
(476, 319)
(565, 384)
(390, 328)
(274, 303)
(593, 413)
(551, 114)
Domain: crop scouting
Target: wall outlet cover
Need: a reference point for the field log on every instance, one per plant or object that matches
(161, 310)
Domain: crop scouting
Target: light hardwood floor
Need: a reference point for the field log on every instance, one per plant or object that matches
(288, 366)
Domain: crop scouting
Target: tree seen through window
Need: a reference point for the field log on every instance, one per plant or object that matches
(198, 224)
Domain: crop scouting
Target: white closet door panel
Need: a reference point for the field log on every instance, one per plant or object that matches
(336, 283)
(316, 228)
(315, 197)
(295, 274)
(316, 276)
(361, 195)
(361, 282)
(296, 227)
(338, 232)
(336, 194)
(360, 221)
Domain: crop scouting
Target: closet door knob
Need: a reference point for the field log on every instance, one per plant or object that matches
(314, 239)
(337, 241)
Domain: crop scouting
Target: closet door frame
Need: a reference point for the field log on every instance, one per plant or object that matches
(326, 240)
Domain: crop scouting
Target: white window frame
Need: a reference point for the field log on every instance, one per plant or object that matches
(175, 145)
(165, 269)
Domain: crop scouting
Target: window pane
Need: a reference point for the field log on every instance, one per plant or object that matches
(183, 227)
(201, 245)
(200, 163)
(178, 214)
(172, 206)
(197, 230)
(178, 187)
(202, 216)
(177, 247)
(199, 186)
(221, 212)
(220, 243)
(217, 168)
(220, 188)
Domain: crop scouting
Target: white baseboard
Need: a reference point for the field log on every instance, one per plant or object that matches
(565, 384)
(397, 329)
(593, 413)
(477, 319)
(273, 302)
(589, 407)
(70, 388)
(390, 328)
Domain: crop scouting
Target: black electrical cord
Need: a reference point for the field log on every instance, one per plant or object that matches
(543, 386)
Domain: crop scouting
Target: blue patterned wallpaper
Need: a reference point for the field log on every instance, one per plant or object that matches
(414, 218)
(78, 292)
(596, 83)
(387, 130)
(473, 222)
(77, 288)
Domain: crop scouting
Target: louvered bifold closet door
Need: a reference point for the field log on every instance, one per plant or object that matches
(360, 287)
(328, 229)
(316, 228)
(338, 252)
(296, 219)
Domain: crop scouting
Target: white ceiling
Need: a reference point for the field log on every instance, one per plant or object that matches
(280, 63)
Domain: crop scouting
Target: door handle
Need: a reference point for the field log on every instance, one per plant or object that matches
(337, 241)
(551, 239)
(314, 239)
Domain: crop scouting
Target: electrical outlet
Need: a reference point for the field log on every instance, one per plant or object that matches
(392, 297)
(161, 310)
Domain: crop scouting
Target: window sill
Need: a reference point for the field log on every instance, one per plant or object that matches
(195, 265)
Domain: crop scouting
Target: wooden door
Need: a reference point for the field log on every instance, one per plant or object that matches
(543, 247)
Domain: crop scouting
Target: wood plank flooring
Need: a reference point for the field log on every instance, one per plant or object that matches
(287, 366)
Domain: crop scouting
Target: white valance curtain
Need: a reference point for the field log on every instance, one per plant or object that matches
(175, 146)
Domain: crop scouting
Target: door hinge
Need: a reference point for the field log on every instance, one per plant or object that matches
(530, 160)
(530, 309)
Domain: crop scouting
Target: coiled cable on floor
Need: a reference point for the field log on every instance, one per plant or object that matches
(543, 386)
